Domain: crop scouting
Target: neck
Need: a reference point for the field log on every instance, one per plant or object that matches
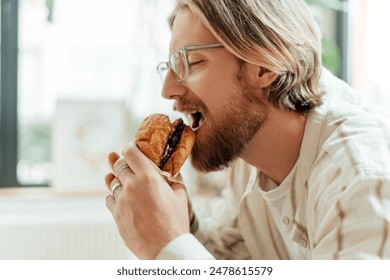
(276, 146)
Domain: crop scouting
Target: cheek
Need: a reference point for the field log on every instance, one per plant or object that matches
(215, 87)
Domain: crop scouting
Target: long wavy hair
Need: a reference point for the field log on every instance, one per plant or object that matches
(279, 35)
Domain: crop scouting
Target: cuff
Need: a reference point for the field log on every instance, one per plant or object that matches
(184, 247)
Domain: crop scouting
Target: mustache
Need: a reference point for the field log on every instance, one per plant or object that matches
(189, 104)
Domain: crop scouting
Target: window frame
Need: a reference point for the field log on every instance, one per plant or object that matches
(8, 94)
(343, 42)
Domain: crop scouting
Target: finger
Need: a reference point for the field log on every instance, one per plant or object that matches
(112, 158)
(180, 190)
(111, 203)
(177, 182)
(115, 187)
(177, 187)
(108, 179)
(177, 178)
(121, 166)
(135, 158)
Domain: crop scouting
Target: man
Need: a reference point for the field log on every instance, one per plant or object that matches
(310, 168)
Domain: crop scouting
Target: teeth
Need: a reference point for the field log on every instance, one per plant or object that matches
(188, 118)
(194, 118)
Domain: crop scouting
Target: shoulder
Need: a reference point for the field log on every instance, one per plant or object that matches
(353, 144)
(352, 138)
(356, 141)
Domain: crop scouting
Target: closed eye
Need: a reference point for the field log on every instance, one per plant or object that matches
(195, 63)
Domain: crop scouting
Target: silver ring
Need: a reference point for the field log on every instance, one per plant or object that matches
(111, 203)
(120, 169)
(115, 186)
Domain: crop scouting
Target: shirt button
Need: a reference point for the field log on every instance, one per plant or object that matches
(303, 243)
(286, 221)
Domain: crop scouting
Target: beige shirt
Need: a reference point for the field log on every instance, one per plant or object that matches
(334, 204)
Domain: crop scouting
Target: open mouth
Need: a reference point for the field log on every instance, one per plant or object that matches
(195, 118)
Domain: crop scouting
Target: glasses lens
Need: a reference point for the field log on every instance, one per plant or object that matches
(162, 70)
(178, 64)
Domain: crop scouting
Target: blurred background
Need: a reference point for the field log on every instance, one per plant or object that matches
(77, 78)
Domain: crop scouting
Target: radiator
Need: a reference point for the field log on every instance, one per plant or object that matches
(59, 229)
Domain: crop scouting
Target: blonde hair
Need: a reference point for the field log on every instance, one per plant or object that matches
(279, 35)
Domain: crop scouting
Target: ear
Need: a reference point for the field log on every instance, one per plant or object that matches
(265, 77)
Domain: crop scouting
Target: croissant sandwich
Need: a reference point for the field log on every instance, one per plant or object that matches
(167, 144)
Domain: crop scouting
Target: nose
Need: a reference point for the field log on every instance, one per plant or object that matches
(172, 89)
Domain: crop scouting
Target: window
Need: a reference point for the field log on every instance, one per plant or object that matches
(332, 17)
(370, 56)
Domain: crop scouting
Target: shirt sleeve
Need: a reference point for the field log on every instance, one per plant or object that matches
(184, 247)
(217, 235)
(218, 228)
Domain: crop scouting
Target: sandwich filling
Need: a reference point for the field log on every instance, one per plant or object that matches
(173, 140)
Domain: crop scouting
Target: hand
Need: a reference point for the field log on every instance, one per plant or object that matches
(147, 210)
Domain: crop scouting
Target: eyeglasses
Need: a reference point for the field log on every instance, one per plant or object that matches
(178, 61)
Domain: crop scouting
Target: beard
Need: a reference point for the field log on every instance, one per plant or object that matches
(228, 130)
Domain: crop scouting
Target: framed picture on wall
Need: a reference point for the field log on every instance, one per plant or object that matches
(84, 133)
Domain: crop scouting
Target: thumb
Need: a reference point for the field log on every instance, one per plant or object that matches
(177, 185)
